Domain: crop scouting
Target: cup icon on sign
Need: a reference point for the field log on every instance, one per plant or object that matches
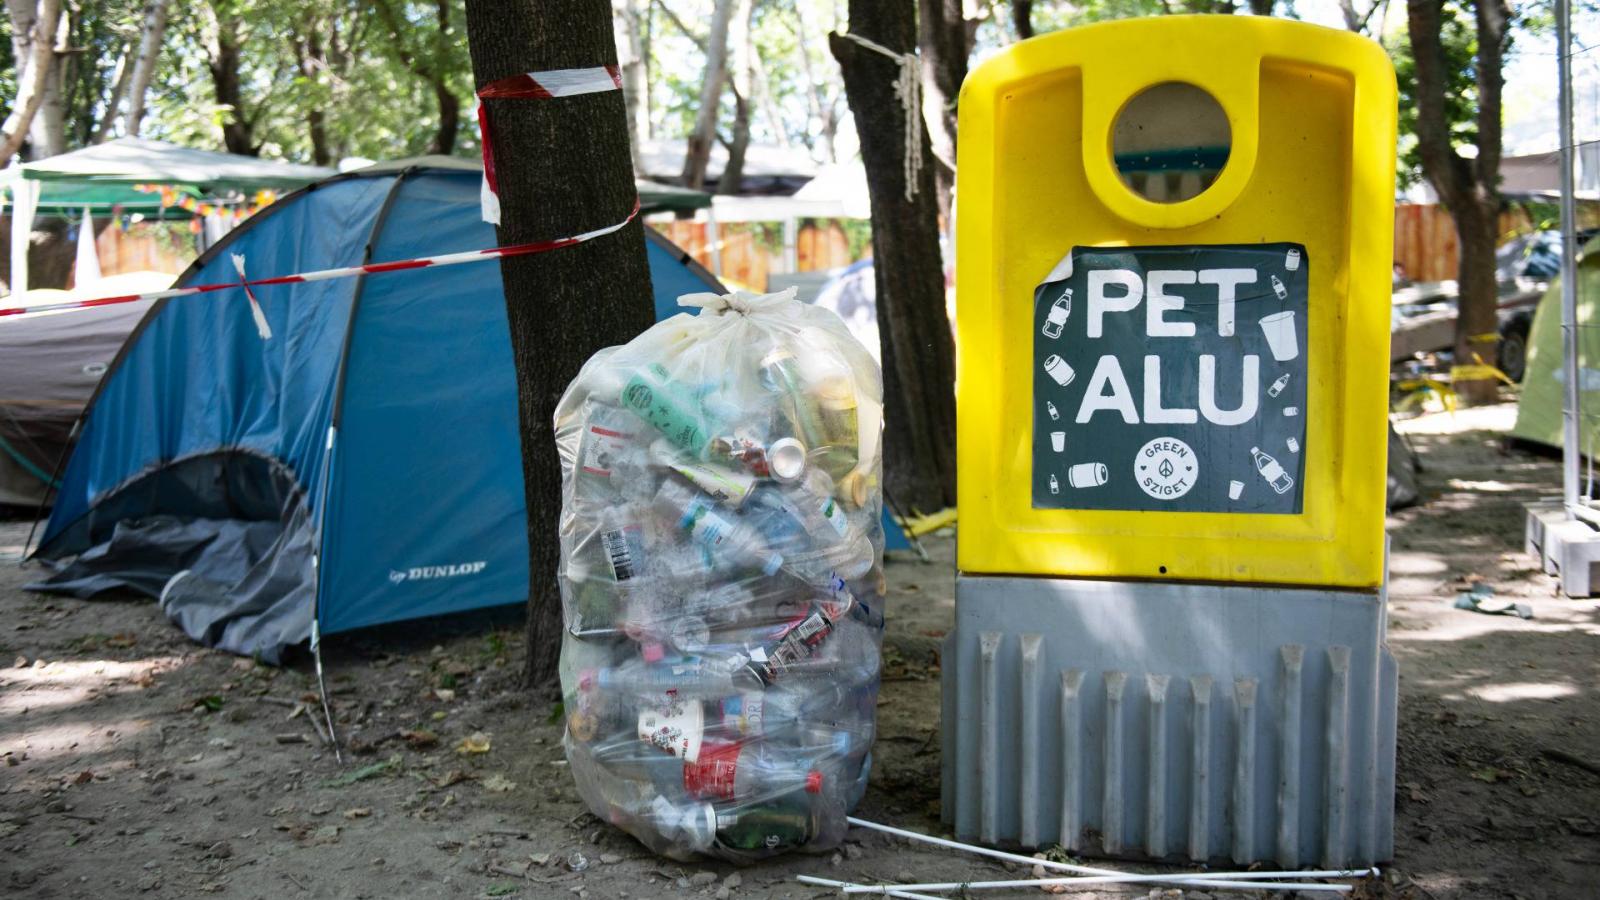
(1235, 489)
(1279, 329)
(1058, 441)
(1087, 475)
(1057, 368)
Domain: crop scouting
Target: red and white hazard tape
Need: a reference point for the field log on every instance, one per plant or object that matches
(446, 259)
(534, 86)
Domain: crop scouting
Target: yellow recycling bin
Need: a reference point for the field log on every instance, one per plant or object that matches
(1173, 248)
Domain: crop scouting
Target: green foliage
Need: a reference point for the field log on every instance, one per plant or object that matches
(1459, 37)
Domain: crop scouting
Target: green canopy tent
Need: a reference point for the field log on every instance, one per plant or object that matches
(106, 177)
(1539, 414)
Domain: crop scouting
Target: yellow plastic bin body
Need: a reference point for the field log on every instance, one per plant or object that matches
(1308, 180)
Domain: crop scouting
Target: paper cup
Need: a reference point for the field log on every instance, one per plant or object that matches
(1087, 475)
(1235, 489)
(1057, 369)
(677, 729)
(1281, 340)
(1058, 441)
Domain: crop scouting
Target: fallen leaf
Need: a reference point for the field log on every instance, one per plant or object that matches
(473, 744)
(122, 641)
(454, 776)
(420, 739)
(498, 784)
(359, 812)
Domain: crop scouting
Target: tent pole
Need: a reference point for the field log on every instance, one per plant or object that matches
(1571, 396)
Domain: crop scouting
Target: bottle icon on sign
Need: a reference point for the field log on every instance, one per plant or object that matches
(1271, 471)
(1055, 414)
(1057, 318)
(1055, 486)
(1279, 289)
(1279, 385)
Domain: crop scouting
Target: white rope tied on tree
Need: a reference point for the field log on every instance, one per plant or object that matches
(908, 90)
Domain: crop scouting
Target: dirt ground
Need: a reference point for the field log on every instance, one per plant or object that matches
(137, 764)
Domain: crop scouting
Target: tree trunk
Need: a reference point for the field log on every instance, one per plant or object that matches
(942, 38)
(144, 67)
(697, 154)
(33, 39)
(732, 180)
(121, 78)
(821, 107)
(563, 169)
(1467, 187)
(918, 350)
(1264, 8)
(47, 136)
(51, 253)
(444, 140)
(629, 16)
(222, 52)
(1022, 18)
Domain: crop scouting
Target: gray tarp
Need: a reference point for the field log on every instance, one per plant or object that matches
(49, 366)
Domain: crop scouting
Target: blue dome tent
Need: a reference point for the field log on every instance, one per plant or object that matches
(362, 466)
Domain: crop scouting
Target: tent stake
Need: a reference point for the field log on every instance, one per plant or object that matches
(322, 690)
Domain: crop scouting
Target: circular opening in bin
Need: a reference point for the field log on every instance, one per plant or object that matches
(1170, 142)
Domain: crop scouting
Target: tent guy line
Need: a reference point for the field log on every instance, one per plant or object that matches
(446, 259)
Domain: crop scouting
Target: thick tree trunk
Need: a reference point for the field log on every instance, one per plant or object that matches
(51, 253)
(33, 39)
(918, 350)
(144, 67)
(743, 52)
(1022, 18)
(629, 22)
(1468, 187)
(942, 38)
(222, 51)
(563, 169)
(698, 151)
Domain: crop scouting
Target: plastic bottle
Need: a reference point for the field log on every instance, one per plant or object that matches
(746, 770)
(727, 486)
(799, 642)
(768, 826)
(668, 406)
(695, 514)
(824, 518)
(691, 676)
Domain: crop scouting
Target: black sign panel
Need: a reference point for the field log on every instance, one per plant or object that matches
(1172, 378)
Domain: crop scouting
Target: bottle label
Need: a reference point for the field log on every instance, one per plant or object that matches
(834, 515)
(704, 525)
(620, 544)
(711, 777)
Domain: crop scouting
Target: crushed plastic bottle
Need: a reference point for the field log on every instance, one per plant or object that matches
(721, 579)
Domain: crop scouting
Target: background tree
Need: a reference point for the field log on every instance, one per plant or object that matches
(918, 350)
(33, 39)
(563, 168)
(1466, 184)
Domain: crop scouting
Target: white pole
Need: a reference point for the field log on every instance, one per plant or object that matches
(1571, 397)
(1198, 879)
(1098, 879)
(714, 240)
(847, 885)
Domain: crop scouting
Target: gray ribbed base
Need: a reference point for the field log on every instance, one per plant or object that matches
(1169, 720)
(1567, 549)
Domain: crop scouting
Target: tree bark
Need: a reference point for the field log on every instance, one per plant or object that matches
(698, 150)
(629, 18)
(33, 39)
(918, 350)
(144, 67)
(221, 43)
(120, 82)
(942, 38)
(563, 168)
(732, 180)
(822, 107)
(1467, 187)
(1022, 18)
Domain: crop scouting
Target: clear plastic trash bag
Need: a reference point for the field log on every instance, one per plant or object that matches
(721, 578)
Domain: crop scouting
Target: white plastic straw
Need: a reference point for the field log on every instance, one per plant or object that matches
(1246, 885)
(847, 885)
(1191, 879)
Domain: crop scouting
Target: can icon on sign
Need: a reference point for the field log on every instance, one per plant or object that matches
(1279, 289)
(1293, 445)
(1291, 260)
(1057, 317)
(1057, 369)
(1291, 411)
(1086, 475)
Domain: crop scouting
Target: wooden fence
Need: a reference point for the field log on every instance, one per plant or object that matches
(748, 257)
(1425, 246)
